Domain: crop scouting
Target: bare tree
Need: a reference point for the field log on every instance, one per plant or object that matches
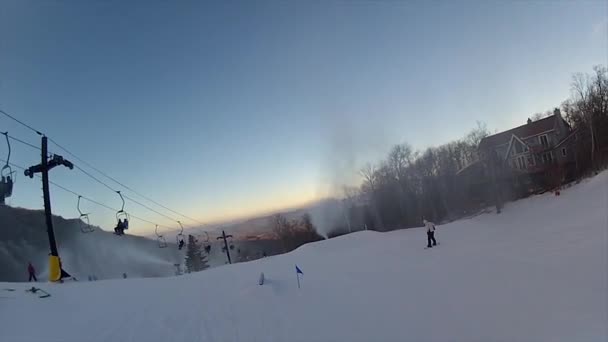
(581, 89)
(588, 106)
(293, 234)
(368, 172)
(370, 187)
(541, 115)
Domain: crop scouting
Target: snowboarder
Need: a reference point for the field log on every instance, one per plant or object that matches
(32, 272)
(430, 233)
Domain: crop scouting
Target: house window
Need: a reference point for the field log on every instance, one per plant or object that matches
(544, 140)
(547, 158)
(563, 152)
(521, 163)
(531, 161)
(518, 148)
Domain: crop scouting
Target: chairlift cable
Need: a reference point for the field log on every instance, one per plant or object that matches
(59, 186)
(121, 184)
(99, 171)
(92, 167)
(21, 122)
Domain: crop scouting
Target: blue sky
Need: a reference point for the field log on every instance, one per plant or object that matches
(230, 108)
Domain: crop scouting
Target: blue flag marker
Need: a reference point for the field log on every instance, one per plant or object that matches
(298, 272)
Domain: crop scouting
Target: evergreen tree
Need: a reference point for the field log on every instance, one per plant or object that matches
(195, 259)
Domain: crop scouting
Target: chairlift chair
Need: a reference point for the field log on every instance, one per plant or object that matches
(179, 238)
(207, 244)
(85, 224)
(121, 216)
(7, 173)
(162, 243)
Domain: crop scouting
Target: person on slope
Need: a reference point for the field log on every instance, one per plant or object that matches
(430, 233)
(32, 272)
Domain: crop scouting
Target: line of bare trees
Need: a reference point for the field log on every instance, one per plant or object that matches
(587, 111)
(294, 233)
(409, 185)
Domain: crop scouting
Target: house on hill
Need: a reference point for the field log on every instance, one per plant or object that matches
(533, 156)
(533, 148)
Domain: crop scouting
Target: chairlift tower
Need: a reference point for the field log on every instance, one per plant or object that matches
(225, 237)
(56, 272)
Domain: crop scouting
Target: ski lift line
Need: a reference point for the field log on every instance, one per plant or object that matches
(96, 169)
(121, 184)
(24, 143)
(90, 199)
(21, 122)
(21, 141)
(125, 196)
(106, 206)
(152, 210)
(66, 189)
(94, 178)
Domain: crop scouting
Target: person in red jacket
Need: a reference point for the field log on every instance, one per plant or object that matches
(32, 272)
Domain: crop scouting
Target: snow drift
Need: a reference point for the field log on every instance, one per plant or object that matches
(536, 272)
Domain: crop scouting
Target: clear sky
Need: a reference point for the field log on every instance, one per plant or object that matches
(229, 108)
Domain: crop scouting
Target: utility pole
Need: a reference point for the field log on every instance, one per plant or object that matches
(224, 237)
(56, 272)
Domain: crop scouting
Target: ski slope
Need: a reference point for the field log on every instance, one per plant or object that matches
(23, 238)
(536, 272)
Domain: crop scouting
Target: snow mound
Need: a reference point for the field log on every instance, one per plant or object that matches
(536, 272)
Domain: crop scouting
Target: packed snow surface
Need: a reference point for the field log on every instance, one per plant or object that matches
(536, 272)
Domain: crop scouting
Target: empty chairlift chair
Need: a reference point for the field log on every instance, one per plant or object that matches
(162, 243)
(85, 224)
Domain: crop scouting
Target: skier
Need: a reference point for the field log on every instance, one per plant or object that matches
(430, 233)
(32, 272)
(181, 244)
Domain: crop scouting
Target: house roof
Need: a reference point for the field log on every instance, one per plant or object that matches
(468, 167)
(523, 131)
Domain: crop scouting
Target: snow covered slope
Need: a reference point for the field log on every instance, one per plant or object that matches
(536, 272)
(23, 238)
